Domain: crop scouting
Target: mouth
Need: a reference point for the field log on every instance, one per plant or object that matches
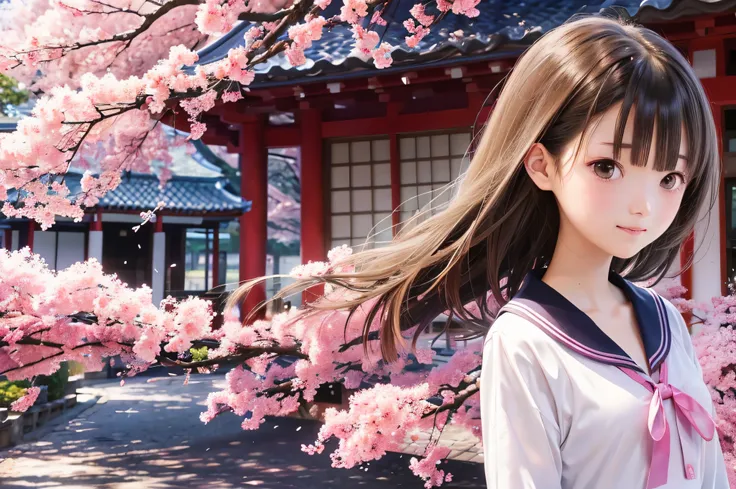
(632, 231)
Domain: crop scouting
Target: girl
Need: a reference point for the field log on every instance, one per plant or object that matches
(597, 158)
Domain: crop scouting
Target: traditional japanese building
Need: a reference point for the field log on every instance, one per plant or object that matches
(174, 254)
(377, 145)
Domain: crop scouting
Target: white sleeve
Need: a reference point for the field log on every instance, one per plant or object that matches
(715, 476)
(521, 439)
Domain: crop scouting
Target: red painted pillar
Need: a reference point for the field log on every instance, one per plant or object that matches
(216, 256)
(31, 231)
(93, 245)
(253, 224)
(312, 194)
(395, 166)
(392, 113)
(97, 221)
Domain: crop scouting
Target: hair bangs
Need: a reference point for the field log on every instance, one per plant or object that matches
(657, 107)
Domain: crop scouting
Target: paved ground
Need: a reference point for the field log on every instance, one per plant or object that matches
(148, 435)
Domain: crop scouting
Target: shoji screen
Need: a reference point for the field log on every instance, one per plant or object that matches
(360, 192)
(428, 163)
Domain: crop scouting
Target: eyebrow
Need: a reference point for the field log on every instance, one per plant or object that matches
(628, 146)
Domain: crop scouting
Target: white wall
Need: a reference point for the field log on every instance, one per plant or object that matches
(159, 267)
(94, 249)
(44, 245)
(706, 270)
(59, 249)
(70, 249)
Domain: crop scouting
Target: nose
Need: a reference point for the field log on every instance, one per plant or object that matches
(641, 201)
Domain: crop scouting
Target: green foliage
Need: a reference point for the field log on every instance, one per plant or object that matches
(56, 382)
(11, 391)
(198, 354)
(10, 94)
(75, 368)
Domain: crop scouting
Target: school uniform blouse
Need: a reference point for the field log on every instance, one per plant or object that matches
(564, 407)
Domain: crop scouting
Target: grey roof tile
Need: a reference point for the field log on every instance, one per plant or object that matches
(503, 27)
(185, 195)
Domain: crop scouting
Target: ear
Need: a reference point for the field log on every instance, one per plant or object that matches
(540, 166)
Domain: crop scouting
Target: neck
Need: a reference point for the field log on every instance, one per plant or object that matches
(579, 271)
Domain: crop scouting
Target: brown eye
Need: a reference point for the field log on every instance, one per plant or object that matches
(672, 181)
(606, 169)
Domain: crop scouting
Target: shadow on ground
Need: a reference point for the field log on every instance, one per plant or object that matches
(150, 436)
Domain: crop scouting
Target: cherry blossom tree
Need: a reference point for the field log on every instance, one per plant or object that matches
(106, 74)
(714, 340)
(81, 314)
(109, 71)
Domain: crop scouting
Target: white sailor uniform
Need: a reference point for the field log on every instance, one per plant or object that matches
(564, 407)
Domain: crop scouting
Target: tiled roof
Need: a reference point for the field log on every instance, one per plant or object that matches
(503, 27)
(185, 195)
(182, 194)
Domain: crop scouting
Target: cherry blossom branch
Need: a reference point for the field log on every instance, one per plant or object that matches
(124, 37)
(267, 17)
(461, 394)
(41, 325)
(244, 353)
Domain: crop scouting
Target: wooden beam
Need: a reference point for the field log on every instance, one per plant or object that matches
(432, 121)
(282, 136)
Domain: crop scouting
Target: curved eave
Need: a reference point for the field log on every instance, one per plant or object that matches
(507, 41)
(669, 10)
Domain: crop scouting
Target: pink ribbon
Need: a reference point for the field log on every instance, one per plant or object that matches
(687, 410)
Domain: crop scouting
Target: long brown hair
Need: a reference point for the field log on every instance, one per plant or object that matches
(500, 225)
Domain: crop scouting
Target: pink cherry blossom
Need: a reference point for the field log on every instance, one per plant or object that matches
(353, 10)
(459, 7)
(417, 11)
(232, 96)
(377, 19)
(365, 40)
(382, 55)
(428, 469)
(25, 402)
(295, 55)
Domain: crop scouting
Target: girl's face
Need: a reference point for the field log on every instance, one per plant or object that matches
(612, 204)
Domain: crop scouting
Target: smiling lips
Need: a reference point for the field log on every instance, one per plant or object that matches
(633, 231)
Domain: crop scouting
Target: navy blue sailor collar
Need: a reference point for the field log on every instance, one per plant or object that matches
(564, 322)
